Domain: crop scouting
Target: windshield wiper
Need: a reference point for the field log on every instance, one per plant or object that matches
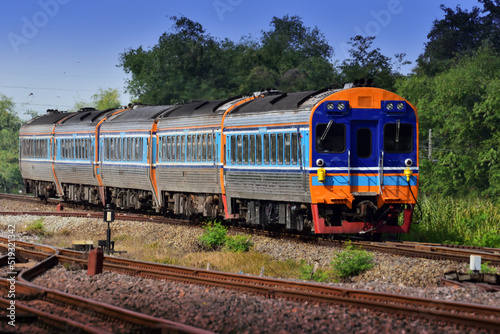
(328, 126)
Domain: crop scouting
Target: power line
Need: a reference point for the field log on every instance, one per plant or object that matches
(42, 105)
(63, 75)
(65, 89)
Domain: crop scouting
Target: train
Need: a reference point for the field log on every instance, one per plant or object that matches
(331, 161)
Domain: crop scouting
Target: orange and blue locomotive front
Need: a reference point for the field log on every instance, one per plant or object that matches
(363, 162)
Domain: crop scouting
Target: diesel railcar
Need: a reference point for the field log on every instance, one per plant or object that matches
(330, 161)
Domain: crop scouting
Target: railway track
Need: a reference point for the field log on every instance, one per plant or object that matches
(471, 315)
(408, 249)
(62, 312)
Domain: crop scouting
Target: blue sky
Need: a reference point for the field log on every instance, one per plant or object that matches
(58, 52)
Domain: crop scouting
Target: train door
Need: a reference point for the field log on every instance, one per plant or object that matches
(363, 157)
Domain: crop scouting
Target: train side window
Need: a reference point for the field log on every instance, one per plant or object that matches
(280, 149)
(198, 148)
(121, 155)
(183, 148)
(258, 146)
(138, 149)
(273, 149)
(189, 148)
(78, 148)
(204, 147)
(245, 149)
(63, 148)
(266, 149)
(117, 149)
(77, 154)
(364, 143)
(110, 149)
(210, 147)
(67, 145)
(251, 157)
(239, 144)
(177, 148)
(398, 138)
(330, 137)
(233, 150)
(295, 148)
(287, 148)
(192, 142)
(129, 149)
(170, 148)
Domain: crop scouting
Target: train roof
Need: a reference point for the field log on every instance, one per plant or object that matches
(140, 114)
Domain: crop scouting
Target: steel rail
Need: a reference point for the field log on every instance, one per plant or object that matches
(145, 323)
(463, 313)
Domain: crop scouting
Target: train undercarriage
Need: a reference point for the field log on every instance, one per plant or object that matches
(257, 213)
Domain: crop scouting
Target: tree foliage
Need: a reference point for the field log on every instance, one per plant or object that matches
(462, 107)
(367, 62)
(458, 34)
(10, 176)
(188, 63)
(106, 99)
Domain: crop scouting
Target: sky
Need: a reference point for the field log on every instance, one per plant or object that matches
(55, 53)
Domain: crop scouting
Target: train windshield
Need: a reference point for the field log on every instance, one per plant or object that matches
(330, 137)
(398, 138)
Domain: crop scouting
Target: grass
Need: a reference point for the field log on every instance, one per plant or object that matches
(37, 228)
(474, 222)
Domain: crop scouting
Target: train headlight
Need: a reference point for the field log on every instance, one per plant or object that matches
(408, 162)
(320, 162)
(333, 107)
(394, 106)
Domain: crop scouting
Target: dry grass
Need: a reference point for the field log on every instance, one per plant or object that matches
(141, 249)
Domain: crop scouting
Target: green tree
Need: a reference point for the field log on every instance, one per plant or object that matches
(10, 176)
(367, 62)
(462, 107)
(106, 99)
(458, 34)
(187, 63)
(297, 56)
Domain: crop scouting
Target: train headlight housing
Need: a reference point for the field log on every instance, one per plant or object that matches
(394, 106)
(333, 107)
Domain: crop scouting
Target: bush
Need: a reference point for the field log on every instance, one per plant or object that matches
(37, 228)
(320, 275)
(214, 236)
(352, 262)
(238, 244)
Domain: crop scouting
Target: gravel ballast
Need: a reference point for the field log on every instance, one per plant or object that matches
(228, 311)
